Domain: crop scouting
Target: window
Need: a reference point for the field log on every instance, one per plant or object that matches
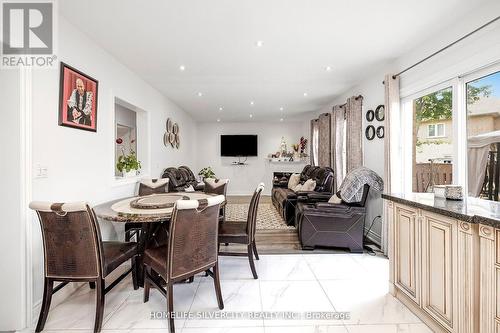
(483, 139)
(126, 133)
(435, 130)
(433, 150)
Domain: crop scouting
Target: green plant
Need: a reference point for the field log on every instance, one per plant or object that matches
(128, 162)
(207, 172)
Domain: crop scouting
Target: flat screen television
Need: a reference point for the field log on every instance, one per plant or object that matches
(238, 145)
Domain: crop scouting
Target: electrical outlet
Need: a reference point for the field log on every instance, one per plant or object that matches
(41, 171)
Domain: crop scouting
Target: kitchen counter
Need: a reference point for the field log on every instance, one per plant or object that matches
(471, 210)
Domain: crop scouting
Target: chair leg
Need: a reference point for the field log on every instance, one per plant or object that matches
(218, 292)
(255, 250)
(147, 284)
(99, 310)
(191, 279)
(127, 236)
(134, 272)
(47, 298)
(250, 259)
(170, 307)
(92, 285)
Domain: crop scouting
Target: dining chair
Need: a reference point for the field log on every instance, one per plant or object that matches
(217, 186)
(243, 232)
(191, 249)
(74, 252)
(146, 187)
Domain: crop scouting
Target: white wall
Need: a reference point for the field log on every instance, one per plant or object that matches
(244, 178)
(80, 163)
(12, 287)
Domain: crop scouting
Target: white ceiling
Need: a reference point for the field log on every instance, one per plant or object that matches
(215, 40)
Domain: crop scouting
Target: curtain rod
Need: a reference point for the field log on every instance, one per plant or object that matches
(446, 47)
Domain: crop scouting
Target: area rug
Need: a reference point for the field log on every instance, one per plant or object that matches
(268, 217)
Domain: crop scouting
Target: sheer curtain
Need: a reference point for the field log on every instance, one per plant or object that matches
(338, 151)
(392, 113)
(314, 141)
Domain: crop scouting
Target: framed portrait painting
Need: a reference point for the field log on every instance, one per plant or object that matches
(77, 99)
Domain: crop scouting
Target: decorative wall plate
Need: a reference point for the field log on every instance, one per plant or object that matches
(169, 125)
(370, 132)
(370, 115)
(380, 132)
(171, 139)
(177, 141)
(165, 139)
(380, 113)
(175, 129)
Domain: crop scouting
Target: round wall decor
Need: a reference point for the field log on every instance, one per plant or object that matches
(380, 113)
(175, 129)
(370, 132)
(171, 136)
(169, 125)
(380, 132)
(370, 115)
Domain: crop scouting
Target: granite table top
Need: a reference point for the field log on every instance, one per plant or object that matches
(119, 210)
(472, 210)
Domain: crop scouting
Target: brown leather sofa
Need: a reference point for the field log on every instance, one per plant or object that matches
(180, 178)
(285, 199)
(331, 225)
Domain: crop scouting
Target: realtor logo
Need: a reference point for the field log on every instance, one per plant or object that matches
(27, 34)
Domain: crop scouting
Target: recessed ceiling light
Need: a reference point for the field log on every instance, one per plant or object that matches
(182, 68)
(281, 108)
(328, 68)
(305, 94)
(218, 120)
(221, 108)
(252, 102)
(281, 119)
(259, 43)
(200, 94)
(251, 115)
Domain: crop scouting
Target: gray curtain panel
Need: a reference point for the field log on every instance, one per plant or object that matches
(324, 140)
(314, 141)
(354, 135)
(337, 134)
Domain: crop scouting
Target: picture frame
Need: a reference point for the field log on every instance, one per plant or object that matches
(370, 115)
(78, 96)
(370, 132)
(380, 112)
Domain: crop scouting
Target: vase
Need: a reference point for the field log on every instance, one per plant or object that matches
(129, 174)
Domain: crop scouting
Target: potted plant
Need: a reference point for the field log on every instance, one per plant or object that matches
(128, 165)
(206, 172)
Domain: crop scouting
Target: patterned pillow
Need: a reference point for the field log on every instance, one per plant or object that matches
(309, 185)
(216, 186)
(293, 181)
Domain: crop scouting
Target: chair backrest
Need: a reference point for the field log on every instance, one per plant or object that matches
(71, 240)
(189, 173)
(252, 212)
(216, 186)
(153, 186)
(192, 244)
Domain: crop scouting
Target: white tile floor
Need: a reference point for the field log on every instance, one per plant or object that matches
(298, 283)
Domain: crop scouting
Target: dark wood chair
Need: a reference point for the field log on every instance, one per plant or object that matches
(74, 252)
(191, 249)
(146, 187)
(243, 232)
(217, 186)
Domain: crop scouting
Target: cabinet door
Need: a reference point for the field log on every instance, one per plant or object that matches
(439, 264)
(406, 252)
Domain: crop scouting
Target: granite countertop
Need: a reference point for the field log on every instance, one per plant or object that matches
(472, 210)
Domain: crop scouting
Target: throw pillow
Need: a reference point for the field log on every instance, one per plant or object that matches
(309, 185)
(297, 188)
(335, 199)
(293, 181)
(190, 188)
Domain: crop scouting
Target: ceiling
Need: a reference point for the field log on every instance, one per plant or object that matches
(216, 41)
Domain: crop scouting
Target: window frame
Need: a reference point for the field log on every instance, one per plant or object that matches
(436, 131)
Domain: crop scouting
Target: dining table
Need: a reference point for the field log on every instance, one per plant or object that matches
(152, 215)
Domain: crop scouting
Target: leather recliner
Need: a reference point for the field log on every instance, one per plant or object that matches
(180, 179)
(285, 199)
(331, 225)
